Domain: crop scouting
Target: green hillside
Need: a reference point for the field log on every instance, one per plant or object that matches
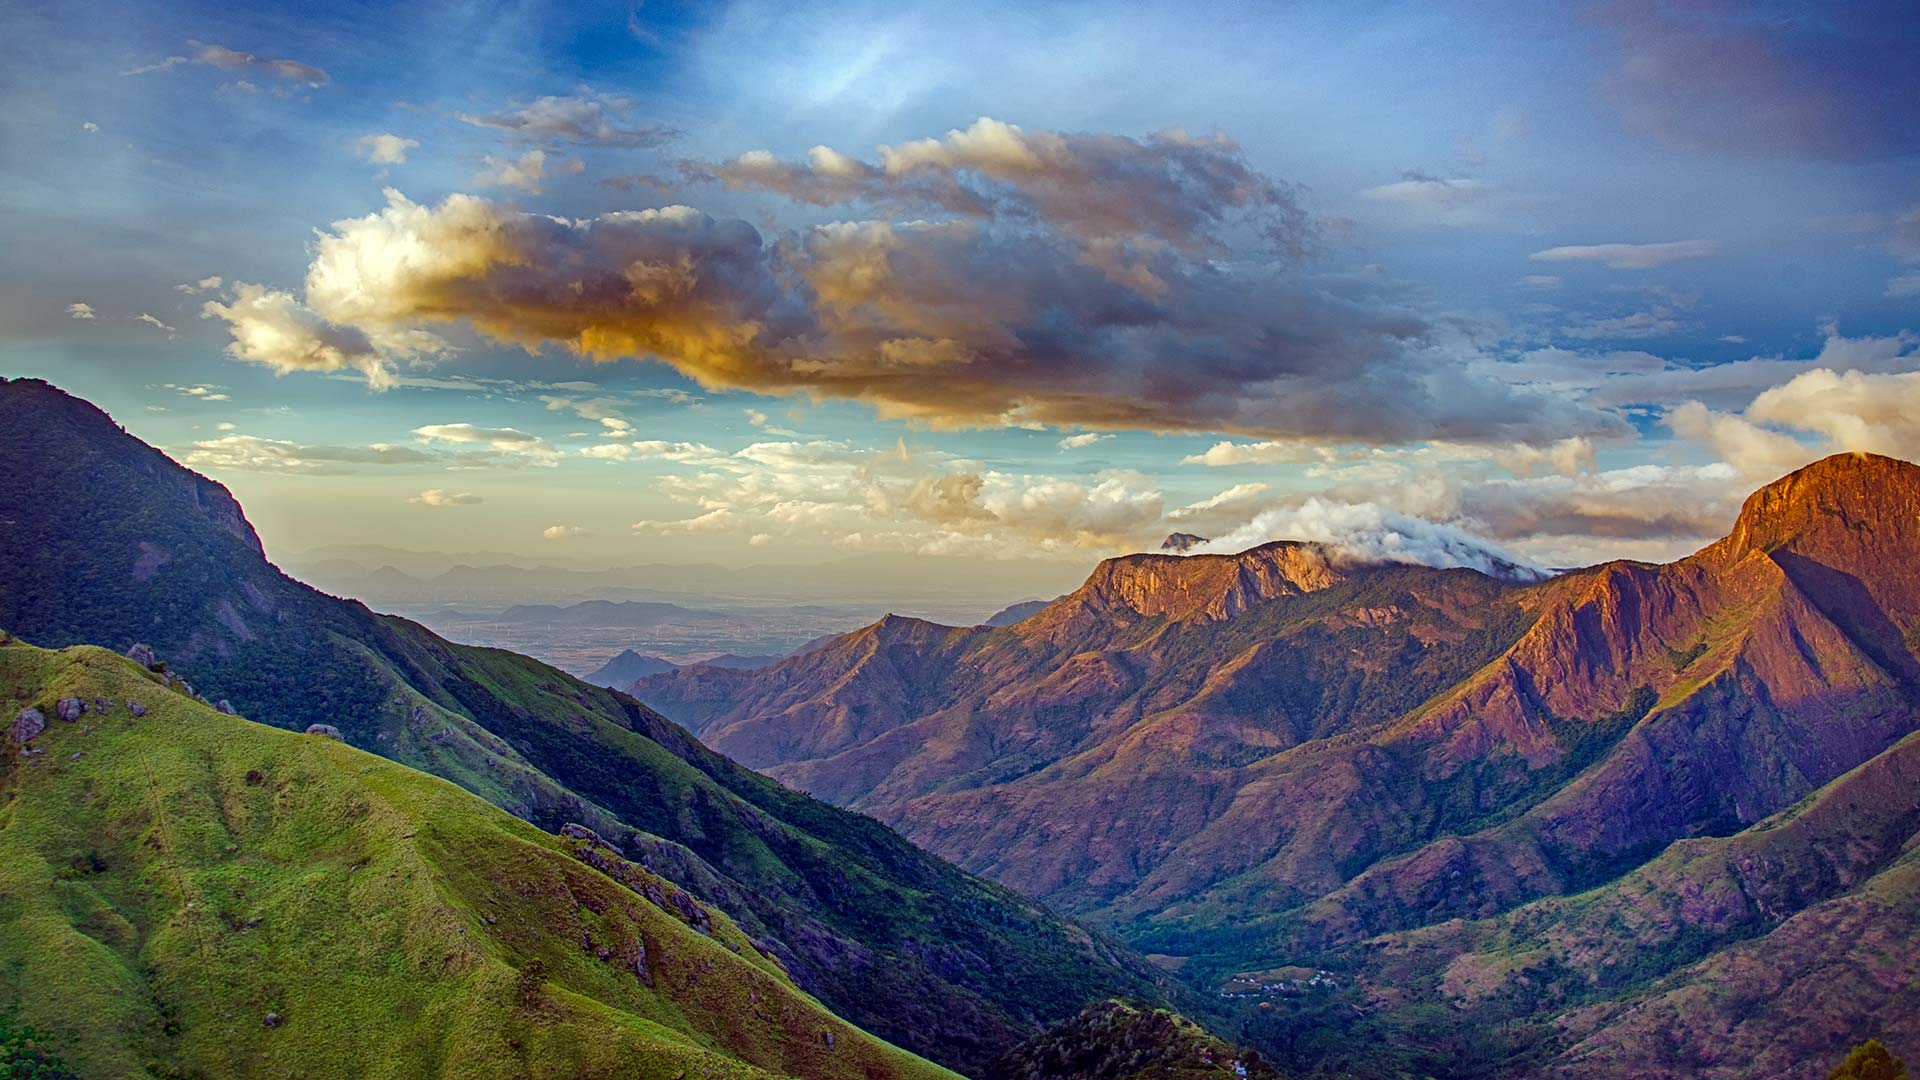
(891, 938)
(189, 894)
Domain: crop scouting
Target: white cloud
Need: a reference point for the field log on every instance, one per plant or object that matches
(233, 60)
(508, 446)
(155, 323)
(273, 328)
(525, 172)
(437, 497)
(206, 284)
(384, 149)
(280, 455)
(1542, 281)
(90, 127)
(585, 118)
(1629, 256)
(562, 532)
(80, 310)
(1268, 452)
(1371, 533)
(1084, 439)
(201, 391)
(1906, 285)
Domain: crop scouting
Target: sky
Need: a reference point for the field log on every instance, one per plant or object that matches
(749, 283)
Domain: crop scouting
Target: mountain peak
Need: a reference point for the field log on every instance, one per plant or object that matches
(1181, 541)
(1852, 495)
(1206, 587)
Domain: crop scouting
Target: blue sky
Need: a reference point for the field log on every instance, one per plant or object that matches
(1568, 278)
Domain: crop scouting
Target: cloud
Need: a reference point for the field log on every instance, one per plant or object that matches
(711, 521)
(584, 118)
(1084, 439)
(437, 497)
(203, 392)
(1542, 281)
(1906, 285)
(1732, 78)
(384, 149)
(562, 532)
(274, 328)
(80, 310)
(1629, 256)
(90, 127)
(1170, 188)
(1266, 452)
(210, 283)
(952, 323)
(1223, 510)
(1366, 532)
(1841, 410)
(279, 455)
(1438, 201)
(1658, 321)
(506, 440)
(1568, 457)
(1757, 453)
(219, 56)
(527, 172)
(155, 323)
(604, 410)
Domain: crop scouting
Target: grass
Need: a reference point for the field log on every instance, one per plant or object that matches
(166, 883)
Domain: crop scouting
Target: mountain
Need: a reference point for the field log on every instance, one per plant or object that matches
(1014, 613)
(1116, 1040)
(192, 894)
(635, 614)
(1281, 757)
(628, 667)
(137, 549)
(1181, 542)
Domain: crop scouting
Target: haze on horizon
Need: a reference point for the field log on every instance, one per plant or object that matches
(751, 283)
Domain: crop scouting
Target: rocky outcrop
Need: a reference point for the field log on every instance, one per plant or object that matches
(27, 724)
(69, 709)
(327, 730)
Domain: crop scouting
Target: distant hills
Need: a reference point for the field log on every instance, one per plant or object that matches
(629, 667)
(626, 614)
(1281, 757)
(104, 540)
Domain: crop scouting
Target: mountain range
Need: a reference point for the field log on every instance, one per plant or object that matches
(628, 667)
(1284, 758)
(1365, 819)
(139, 550)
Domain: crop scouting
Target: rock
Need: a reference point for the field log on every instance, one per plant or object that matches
(225, 706)
(581, 832)
(826, 1039)
(273, 1019)
(28, 723)
(136, 708)
(70, 709)
(103, 706)
(76, 756)
(142, 655)
(328, 730)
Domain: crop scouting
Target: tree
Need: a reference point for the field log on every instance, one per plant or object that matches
(1870, 1061)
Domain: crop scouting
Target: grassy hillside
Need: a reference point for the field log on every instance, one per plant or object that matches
(188, 894)
(891, 938)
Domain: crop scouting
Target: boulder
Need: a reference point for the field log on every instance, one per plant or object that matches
(136, 708)
(103, 706)
(225, 706)
(328, 730)
(70, 709)
(142, 655)
(29, 723)
(273, 1019)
